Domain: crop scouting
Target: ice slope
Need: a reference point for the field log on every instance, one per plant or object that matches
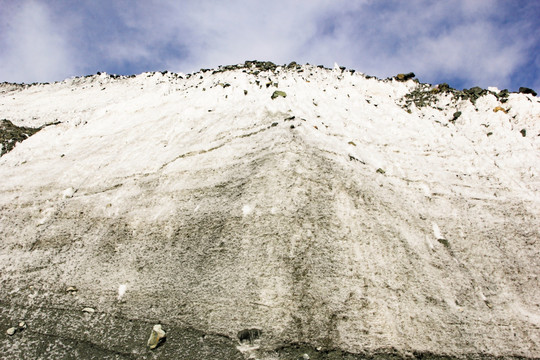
(333, 219)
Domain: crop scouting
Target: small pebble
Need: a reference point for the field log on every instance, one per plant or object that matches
(22, 325)
(11, 331)
(89, 310)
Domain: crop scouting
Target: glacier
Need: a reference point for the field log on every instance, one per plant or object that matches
(339, 221)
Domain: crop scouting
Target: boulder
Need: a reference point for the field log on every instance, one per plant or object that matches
(526, 90)
(405, 77)
(156, 337)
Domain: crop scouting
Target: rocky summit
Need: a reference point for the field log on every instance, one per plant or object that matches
(258, 211)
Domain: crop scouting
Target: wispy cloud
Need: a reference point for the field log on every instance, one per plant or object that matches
(463, 42)
(34, 46)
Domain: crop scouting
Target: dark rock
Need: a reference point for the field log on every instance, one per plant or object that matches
(523, 132)
(292, 65)
(404, 77)
(456, 115)
(278, 93)
(11, 134)
(473, 93)
(502, 95)
(526, 90)
(261, 65)
(249, 335)
(445, 242)
(444, 87)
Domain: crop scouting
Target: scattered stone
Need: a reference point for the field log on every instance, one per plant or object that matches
(474, 93)
(89, 310)
(499, 108)
(502, 95)
(489, 133)
(278, 93)
(72, 289)
(245, 92)
(456, 115)
(424, 95)
(445, 242)
(523, 132)
(293, 65)
(305, 357)
(11, 331)
(22, 325)
(405, 77)
(274, 124)
(351, 143)
(444, 87)
(381, 171)
(261, 65)
(156, 337)
(526, 90)
(249, 335)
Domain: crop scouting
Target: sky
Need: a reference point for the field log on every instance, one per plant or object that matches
(464, 43)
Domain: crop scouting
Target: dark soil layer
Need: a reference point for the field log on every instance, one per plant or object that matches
(55, 333)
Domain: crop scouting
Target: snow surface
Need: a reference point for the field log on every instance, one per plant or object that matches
(116, 128)
(130, 148)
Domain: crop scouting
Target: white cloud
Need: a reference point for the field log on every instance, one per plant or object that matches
(460, 39)
(229, 32)
(455, 40)
(34, 46)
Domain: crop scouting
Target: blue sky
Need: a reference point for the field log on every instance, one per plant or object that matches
(462, 42)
